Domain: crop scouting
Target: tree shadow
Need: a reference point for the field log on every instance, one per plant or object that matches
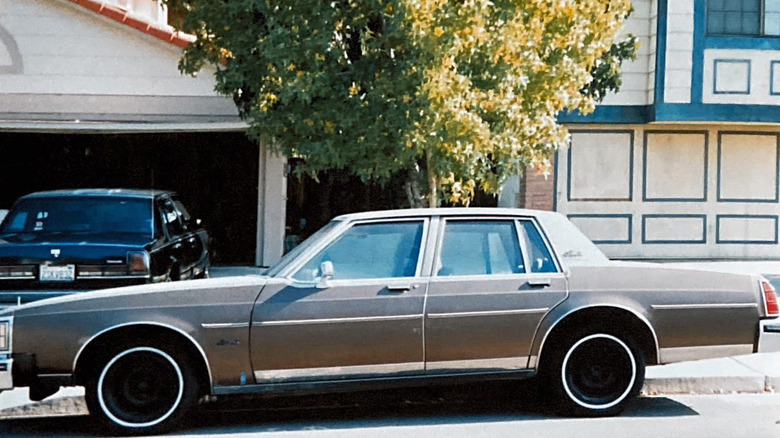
(478, 403)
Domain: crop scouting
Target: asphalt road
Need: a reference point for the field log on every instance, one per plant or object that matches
(490, 411)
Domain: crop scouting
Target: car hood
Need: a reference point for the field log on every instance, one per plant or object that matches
(141, 296)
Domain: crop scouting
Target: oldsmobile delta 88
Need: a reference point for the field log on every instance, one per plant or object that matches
(408, 297)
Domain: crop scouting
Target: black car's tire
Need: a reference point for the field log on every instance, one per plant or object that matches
(143, 388)
(594, 373)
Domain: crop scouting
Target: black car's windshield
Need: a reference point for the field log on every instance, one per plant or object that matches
(92, 215)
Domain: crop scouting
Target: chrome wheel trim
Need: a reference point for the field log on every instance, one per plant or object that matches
(162, 418)
(628, 387)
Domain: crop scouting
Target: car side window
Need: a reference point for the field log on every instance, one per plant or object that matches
(539, 256)
(171, 218)
(374, 250)
(480, 248)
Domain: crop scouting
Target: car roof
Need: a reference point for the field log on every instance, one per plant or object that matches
(444, 211)
(118, 193)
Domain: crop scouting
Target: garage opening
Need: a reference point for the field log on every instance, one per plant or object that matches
(216, 175)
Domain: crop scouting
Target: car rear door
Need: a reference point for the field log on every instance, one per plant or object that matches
(487, 294)
(365, 321)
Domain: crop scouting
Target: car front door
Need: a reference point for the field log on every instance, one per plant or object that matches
(353, 309)
(487, 295)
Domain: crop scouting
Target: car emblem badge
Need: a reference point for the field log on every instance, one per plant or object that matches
(55, 253)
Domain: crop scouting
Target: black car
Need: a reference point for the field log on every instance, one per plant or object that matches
(58, 241)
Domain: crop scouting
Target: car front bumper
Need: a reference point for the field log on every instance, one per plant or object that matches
(769, 335)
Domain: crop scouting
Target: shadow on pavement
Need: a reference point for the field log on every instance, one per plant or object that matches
(460, 404)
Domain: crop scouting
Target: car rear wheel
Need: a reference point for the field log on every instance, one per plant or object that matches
(595, 374)
(142, 389)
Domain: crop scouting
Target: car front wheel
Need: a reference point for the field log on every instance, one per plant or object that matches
(596, 374)
(143, 389)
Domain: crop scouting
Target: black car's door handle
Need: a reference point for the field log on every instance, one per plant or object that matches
(539, 282)
(399, 288)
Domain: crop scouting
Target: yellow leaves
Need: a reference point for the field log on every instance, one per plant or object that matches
(309, 122)
(438, 32)
(292, 66)
(329, 127)
(299, 73)
(354, 89)
(319, 57)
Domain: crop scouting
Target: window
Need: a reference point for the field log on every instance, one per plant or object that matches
(743, 17)
(539, 256)
(480, 248)
(380, 250)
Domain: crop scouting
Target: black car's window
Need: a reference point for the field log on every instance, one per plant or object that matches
(539, 257)
(171, 218)
(375, 250)
(182, 212)
(480, 248)
(80, 215)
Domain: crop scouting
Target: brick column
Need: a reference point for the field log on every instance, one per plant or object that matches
(536, 191)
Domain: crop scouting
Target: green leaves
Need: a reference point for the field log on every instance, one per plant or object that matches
(467, 90)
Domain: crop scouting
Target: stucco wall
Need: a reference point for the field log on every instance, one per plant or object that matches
(72, 63)
(657, 191)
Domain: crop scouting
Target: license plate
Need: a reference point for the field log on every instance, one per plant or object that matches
(57, 273)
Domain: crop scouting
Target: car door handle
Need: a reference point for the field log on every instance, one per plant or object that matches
(399, 288)
(539, 282)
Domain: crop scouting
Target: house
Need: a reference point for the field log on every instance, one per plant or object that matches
(90, 96)
(683, 162)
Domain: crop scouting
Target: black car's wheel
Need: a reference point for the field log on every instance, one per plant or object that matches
(595, 374)
(143, 389)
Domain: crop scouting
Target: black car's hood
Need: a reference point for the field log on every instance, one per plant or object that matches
(26, 248)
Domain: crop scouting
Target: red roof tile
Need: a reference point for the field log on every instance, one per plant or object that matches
(165, 33)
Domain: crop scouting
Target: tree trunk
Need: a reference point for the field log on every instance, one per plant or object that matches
(433, 182)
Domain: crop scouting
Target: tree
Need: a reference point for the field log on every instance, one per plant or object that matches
(465, 92)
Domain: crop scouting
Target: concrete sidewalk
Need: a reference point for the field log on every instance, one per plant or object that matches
(755, 373)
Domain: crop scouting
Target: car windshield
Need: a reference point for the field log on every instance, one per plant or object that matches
(92, 215)
(292, 255)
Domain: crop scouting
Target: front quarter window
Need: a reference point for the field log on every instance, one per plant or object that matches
(370, 250)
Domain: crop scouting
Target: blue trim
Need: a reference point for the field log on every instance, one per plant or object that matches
(630, 163)
(777, 168)
(772, 90)
(674, 216)
(729, 61)
(628, 217)
(741, 42)
(718, 113)
(611, 114)
(744, 216)
(699, 41)
(644, 167)
(660, 51)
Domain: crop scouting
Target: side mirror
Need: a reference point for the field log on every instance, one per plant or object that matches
(326, 274)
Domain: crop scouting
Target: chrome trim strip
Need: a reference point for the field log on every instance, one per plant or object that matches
(23, 277)
(112, 277)
(224, 325)
(682, 354)
(704, 306)
(56, 375)
(154, 324)
(615, 306)
(487, 313)
(274, 376)
(335, 320)
(498, 364)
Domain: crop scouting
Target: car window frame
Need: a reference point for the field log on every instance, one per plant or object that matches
(337, 233)
(442, 225)
(545, 240)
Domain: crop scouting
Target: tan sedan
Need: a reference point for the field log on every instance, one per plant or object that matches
(408, 297)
